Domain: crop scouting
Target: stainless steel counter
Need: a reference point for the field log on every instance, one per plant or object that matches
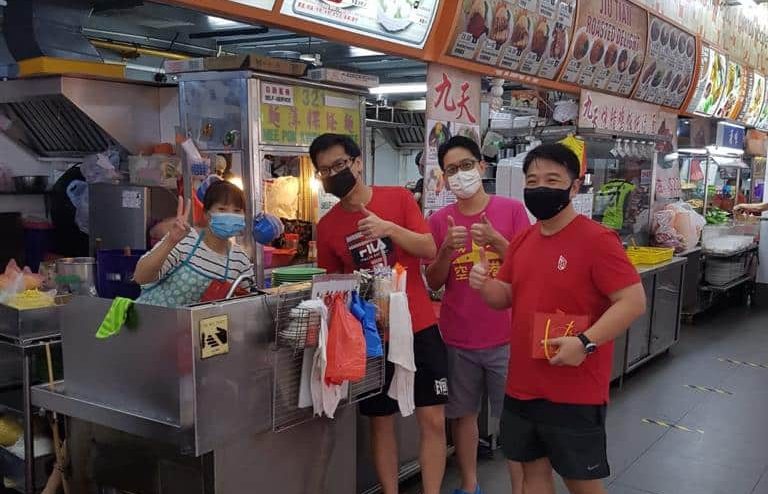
(153, 397)
(658, 329)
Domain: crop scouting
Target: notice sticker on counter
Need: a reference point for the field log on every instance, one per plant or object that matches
(276, 94)
(131, 199)
(214, 336)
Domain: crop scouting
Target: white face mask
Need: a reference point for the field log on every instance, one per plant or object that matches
(465, 184)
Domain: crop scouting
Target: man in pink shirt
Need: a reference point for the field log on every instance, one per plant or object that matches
(477, 336)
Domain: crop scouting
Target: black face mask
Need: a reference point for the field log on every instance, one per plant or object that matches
(545, 202)
(340, 184)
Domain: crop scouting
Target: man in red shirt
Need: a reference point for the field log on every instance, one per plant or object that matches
(566, 267)
(381, 226)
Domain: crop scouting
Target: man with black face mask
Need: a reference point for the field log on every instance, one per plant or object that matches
(572, 291)
(380, 226)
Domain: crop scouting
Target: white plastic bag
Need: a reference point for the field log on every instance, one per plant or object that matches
(101, 167)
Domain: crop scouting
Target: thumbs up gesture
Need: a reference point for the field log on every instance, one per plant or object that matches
(483, 233)
(372, 226)
(456, 236)
(479, 274)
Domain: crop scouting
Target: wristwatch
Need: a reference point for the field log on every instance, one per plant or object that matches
(589, 346)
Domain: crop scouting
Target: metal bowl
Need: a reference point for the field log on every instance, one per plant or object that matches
(31, 184)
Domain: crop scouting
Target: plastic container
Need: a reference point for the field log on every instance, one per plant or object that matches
(115, 273)
(38, 237)
(268, 251)
(649, 255)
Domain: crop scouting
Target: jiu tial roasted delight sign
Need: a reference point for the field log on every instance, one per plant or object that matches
(608, 48)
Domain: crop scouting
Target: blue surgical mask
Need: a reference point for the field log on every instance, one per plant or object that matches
(226, 225)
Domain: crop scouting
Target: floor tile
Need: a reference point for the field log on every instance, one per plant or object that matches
(662, 473)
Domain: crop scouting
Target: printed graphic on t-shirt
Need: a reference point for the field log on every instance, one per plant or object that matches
(368, 253)
(462, 265)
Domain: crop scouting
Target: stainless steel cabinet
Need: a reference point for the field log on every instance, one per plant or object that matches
(659, 328)
(640, 333)
(666, 310)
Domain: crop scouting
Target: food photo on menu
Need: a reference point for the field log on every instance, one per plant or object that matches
(731, 92)
(502, 20)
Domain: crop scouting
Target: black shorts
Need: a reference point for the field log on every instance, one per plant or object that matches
(430, 385)
(572, 437)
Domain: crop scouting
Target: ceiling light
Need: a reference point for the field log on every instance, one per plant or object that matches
(410, 88)
(219, 22)
(355, 51)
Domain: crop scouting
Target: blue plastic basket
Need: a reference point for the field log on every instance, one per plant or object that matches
(115, 273)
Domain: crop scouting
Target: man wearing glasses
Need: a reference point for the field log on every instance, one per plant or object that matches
(380, 226)
(477, 337)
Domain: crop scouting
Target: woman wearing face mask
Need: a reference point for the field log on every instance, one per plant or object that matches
(181, 267)
(478, 356)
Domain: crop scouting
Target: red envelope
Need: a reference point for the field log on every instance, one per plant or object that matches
(550, 326)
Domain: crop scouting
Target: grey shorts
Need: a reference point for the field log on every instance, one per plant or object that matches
(472, 374)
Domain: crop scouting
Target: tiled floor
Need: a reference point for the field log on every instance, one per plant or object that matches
(728, 456)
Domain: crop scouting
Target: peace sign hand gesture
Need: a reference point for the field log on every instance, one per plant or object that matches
(180, 227)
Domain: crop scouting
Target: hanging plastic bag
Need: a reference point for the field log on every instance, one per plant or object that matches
(365, 312)
(346, 345)
(77, 192)
(101, 167)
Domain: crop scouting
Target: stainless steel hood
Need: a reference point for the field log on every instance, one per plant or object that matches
(71, 117)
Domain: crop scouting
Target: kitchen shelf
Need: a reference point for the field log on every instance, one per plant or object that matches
(726, 255)
(724, 288)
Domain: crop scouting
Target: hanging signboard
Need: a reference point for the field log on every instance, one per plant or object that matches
(608, 49)
(602, 112)
(296, 115)
(762, 120)
(406, 22)
(730, 135)
(734, 92)
(526, 36)
(711, 84)
(453, 108)
(750, 111)
(669, 66)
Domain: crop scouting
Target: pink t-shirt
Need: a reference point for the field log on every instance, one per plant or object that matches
(465, 320)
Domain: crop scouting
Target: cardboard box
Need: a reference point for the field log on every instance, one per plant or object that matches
(189, 65)
(256, 62)
(343, 77)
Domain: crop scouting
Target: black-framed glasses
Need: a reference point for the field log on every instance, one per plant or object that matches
(463, 165)
(335, 168)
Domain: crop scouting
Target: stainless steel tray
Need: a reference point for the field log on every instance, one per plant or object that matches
(31, 324)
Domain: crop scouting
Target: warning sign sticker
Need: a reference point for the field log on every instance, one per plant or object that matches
(214, 336)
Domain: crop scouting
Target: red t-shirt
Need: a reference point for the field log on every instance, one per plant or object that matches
(574, 271)
(341, 248)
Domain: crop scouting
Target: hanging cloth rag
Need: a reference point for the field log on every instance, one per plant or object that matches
(325, 397)
(117, 315)
(401, 346)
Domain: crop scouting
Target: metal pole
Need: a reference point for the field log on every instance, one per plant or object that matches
(29, 453)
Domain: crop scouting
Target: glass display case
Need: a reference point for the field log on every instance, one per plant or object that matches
(713, 181)
(620, 178)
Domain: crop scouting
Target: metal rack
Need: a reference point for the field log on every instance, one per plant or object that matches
(15, 398)
(296, 336)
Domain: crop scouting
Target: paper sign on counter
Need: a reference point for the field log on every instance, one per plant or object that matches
(214, 336)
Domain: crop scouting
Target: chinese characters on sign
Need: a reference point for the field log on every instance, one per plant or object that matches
(295, 115)
(277, 94)
(453, 108)
(603, 112)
